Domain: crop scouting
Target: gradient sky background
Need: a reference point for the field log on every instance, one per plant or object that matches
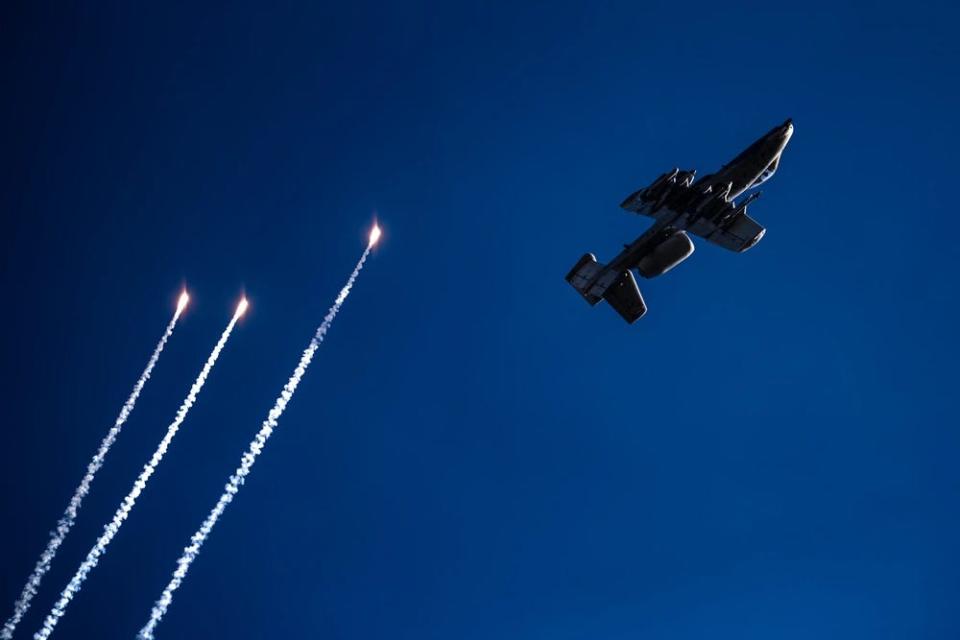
(475, 453)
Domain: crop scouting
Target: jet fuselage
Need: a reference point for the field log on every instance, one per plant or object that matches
(754, 165)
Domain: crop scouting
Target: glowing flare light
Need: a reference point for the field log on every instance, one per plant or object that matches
(375, 234)
(182, 302)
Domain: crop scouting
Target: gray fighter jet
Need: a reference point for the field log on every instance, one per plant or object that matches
(678, 205)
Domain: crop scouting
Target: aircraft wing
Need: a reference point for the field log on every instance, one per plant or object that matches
(711, 215)
(738, 234)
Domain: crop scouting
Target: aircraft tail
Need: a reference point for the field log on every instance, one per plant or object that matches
(583, 277)
(595, 282)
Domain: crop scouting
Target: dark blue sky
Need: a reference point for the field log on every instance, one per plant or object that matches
(475, 453)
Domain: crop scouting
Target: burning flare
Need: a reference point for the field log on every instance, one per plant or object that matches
(241, 308)
(374, 235)
(182, 302)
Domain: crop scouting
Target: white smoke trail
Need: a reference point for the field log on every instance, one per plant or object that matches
(70, 514)
(246, 462)
(112, 527)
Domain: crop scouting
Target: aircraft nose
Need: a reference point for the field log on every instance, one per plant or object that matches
(787, 128)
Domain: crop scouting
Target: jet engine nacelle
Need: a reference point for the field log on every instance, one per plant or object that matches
(666, 255)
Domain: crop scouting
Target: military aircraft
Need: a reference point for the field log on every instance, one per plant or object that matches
(678, 205)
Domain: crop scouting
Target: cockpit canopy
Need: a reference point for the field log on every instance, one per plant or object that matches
(766, 174)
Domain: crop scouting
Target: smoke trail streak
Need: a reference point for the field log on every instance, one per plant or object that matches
(112, 527)
(70, 514)
(246, 462)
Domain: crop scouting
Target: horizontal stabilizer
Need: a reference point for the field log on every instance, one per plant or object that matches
(624, 296)
(596, 282)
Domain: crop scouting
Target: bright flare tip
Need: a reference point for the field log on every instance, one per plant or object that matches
(182, 302)
(374, 235)
(242, 307)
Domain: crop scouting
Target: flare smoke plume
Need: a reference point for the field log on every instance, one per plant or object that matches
(256, 447)
(112, 527)
(58, 535)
